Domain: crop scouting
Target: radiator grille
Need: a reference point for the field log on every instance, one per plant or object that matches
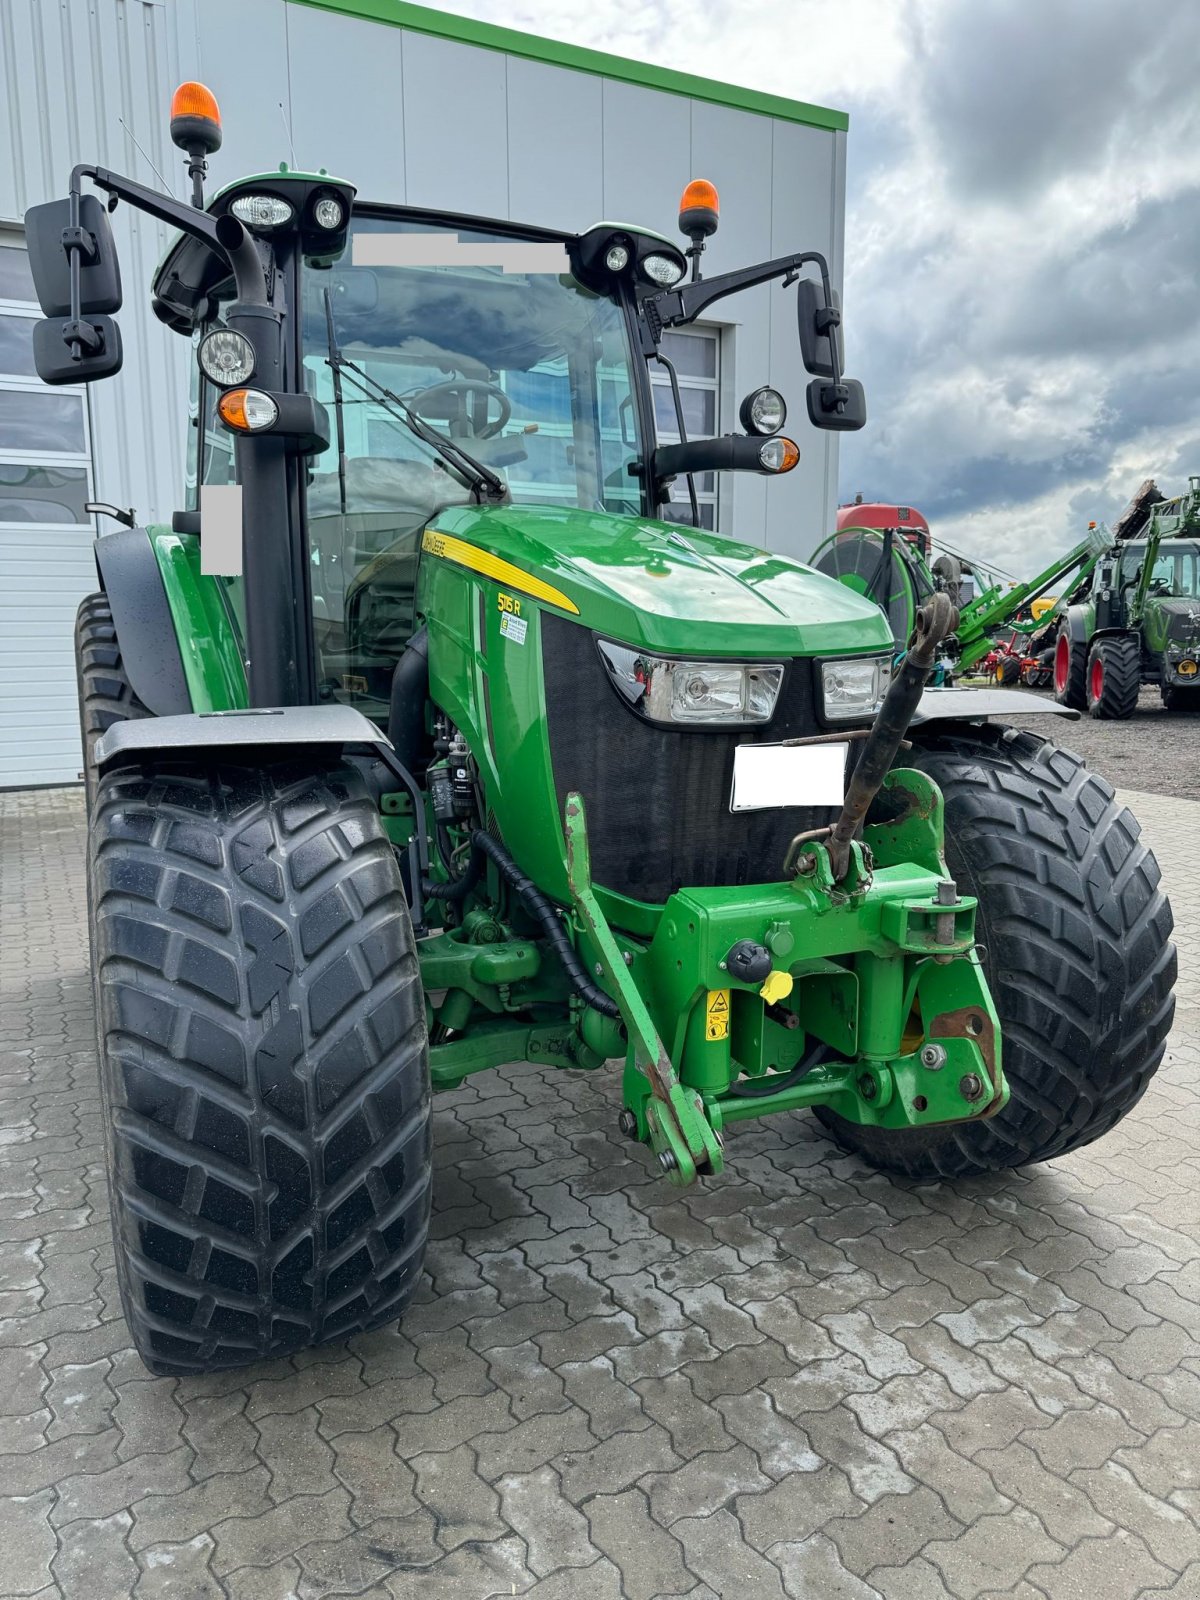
(658, 800)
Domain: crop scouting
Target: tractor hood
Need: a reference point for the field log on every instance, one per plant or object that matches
(1182, 618)
(662, 587)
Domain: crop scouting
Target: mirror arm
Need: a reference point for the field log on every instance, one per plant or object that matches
(224, 235)
(674, 307)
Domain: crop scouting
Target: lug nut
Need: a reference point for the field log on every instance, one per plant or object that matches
(933, 1056)
(627, 1123)
(970, 1086)
(667, 1161)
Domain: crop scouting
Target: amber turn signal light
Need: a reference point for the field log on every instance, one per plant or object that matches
(247, 410)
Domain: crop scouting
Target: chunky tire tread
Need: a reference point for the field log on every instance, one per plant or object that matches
(1077, 950)
(1178, 701)
(1121, 656)
(105, 695)
(264, 1059)
(1074, 694)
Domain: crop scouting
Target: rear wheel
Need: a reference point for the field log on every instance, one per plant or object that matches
(264, 1059)
(1070, 671)
(1114, 677)
(1008, 670)
(105, 693)
(1077, 952)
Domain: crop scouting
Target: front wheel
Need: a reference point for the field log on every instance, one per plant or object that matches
(1114, 677)
(1077, 951)
(105, 693)
(263, 1057)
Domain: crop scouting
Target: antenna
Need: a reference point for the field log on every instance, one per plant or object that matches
(287, 128)
(144, 156)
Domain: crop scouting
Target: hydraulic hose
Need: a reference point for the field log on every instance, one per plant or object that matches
(936, 618)
(543, 912)
(457, 888)
(758, 1088)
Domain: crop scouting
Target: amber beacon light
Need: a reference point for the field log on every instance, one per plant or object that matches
(196, 129)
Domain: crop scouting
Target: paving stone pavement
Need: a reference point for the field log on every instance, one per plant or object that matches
(799, 1380)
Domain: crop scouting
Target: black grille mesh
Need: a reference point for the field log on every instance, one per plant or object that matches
(657, 800)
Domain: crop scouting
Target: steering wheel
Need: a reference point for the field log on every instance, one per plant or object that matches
(466, 404)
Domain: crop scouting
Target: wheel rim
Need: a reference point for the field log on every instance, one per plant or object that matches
(1097, 686)
(1062, 663)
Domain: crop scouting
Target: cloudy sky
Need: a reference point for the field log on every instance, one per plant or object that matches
(1022, 241)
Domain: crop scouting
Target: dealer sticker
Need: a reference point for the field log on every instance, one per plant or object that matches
(514, 628)
(716, 1023)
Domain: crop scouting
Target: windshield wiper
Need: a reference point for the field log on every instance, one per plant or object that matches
(480, 478)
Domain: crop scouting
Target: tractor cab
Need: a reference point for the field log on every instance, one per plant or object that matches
(462, 361)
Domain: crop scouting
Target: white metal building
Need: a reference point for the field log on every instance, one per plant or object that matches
(416, 107)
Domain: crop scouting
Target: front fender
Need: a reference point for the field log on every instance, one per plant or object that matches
(975, 705)
(130, 578)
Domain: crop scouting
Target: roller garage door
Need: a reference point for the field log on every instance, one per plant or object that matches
(46, 564)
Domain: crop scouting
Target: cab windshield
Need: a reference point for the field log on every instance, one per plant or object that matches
(491, 342)
(1174, 575)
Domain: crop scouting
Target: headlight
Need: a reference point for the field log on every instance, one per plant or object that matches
(226, 357)
(665, 270)
(731, 694)
(854, 688)
(617, 258)
(329, 213)
(764, 411)
(261, 210)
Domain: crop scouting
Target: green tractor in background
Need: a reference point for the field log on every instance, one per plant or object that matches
(1136, 618)
(424, 741)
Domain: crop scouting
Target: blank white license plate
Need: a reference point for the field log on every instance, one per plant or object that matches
(771, 775)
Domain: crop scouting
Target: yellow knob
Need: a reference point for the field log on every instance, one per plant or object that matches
(777, 987)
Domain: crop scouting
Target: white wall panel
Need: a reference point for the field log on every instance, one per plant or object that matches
(455, 126)
(555, 146)
(338, 67)
(804, 172)
(733, 151)
(647, 154)
(243, 59)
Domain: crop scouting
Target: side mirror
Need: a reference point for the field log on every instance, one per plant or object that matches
(841, 407)
(76, 352)
(820, 324)
(47, 230)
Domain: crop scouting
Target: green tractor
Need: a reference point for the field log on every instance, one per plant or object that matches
(1136, 619)
(424, 740)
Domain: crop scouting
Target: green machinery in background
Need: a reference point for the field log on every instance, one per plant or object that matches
(1134, 617)
(434, 734)
(891, 569)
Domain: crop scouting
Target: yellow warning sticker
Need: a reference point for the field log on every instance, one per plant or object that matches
(717, 1014)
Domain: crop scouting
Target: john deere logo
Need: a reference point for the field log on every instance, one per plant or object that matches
(1187, 669)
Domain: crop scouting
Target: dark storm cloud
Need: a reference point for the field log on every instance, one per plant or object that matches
(1023, 244)
(1018, 93)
